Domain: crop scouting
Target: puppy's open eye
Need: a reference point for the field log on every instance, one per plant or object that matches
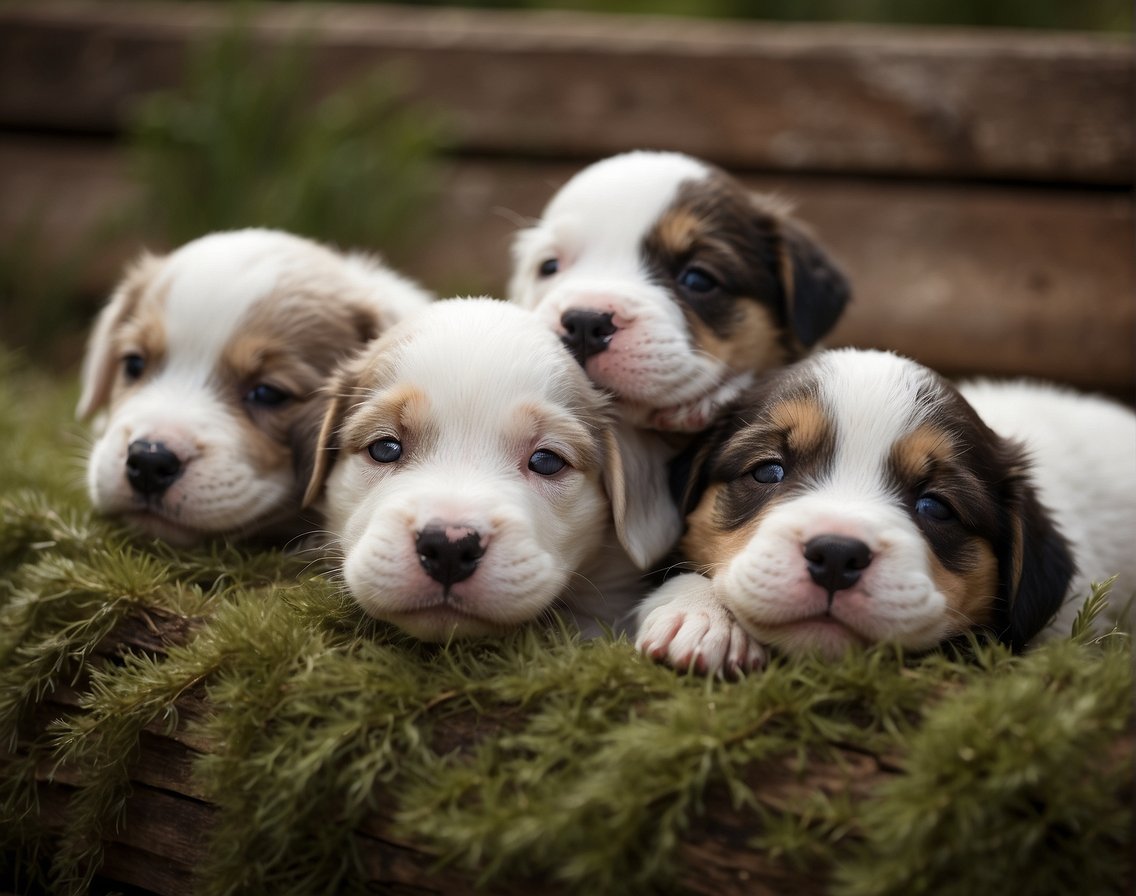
(768, 473)
(935, 508)
(546, 463)
(548, 267)
(697, 280)
(385, 451)
(133, 365)
(266, 396)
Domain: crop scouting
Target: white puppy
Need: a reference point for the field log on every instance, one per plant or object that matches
(673, 285)
(210, 363)
(858, 497)
(473, 480)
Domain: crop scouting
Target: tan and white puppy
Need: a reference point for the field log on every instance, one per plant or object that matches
(673, 285)
(474, 482)
(858, 497)
(209, 363)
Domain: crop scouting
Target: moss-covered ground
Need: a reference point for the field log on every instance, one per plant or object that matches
(536, 757)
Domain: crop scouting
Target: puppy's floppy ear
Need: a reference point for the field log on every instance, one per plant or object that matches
(1035, 562)
(323, 447)
(816, 290)
(647, 522)
(99, 363)
(315, 434)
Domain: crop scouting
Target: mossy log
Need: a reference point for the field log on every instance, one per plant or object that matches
(163, 833)
(167, 820)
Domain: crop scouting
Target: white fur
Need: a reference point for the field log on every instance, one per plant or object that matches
(1084, 467)
(482, 366)
(209, 285)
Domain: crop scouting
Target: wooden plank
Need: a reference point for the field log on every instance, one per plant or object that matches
(1002, 281)
(803, 98)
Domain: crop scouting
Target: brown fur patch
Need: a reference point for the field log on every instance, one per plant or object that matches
(916, 454)
(754, 343)
(402, 412)
(971, 592)
(579, 443)
(679, 228)
(806, 427)
(708, 543)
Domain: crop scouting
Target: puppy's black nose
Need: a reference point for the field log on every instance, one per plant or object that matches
(151, 467)
(586, 333)
(835, 562)
(448, 557)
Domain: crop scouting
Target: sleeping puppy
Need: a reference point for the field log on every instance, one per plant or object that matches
(473, 479)
(673, 285)
(858, 497)
(209, 363)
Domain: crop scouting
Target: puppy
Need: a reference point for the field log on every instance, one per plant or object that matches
(673, 285)
(858, 497)
(209, 364)
(472, 479)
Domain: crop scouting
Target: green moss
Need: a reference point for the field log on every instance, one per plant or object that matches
(535, 756)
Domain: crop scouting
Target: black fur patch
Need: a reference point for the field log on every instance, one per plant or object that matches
(753, 255)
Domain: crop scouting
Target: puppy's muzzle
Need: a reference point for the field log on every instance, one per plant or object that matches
(151, 468)
(449, 555)
(835, 561)
(586, 333)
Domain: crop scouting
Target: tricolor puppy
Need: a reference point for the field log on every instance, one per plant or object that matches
(209, 363)
(858, 497)
(473, 482)
(673, 285)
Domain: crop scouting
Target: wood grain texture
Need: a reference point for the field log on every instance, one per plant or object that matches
(802, 98)
(968, 279)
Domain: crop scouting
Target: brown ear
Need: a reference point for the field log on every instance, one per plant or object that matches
(647, 522)
(325, 446)
(816, 290)
(99, 364)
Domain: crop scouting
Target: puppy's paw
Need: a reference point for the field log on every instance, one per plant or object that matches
(684, 625)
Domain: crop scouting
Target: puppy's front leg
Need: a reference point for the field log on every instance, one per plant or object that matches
(685, 625)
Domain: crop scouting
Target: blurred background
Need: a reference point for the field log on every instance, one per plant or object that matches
(969, 162)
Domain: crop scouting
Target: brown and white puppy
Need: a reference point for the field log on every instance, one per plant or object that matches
(474, 481)
(858, 497)
(673, 285)
(209, 363)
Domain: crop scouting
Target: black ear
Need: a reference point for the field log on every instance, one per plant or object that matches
(689, 470)
(1035, 561)
(816, 290)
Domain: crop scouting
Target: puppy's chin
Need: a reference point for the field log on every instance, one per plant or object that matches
(443, 622)
(822, 636)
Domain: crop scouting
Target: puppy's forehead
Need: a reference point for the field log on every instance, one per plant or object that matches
(868, 400)
(209, 286)
(620, 198)
(875, 397)
(478, 354)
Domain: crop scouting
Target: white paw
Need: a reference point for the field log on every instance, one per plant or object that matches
(685, 626)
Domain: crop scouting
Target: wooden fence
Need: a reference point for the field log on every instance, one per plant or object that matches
(976, 185)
